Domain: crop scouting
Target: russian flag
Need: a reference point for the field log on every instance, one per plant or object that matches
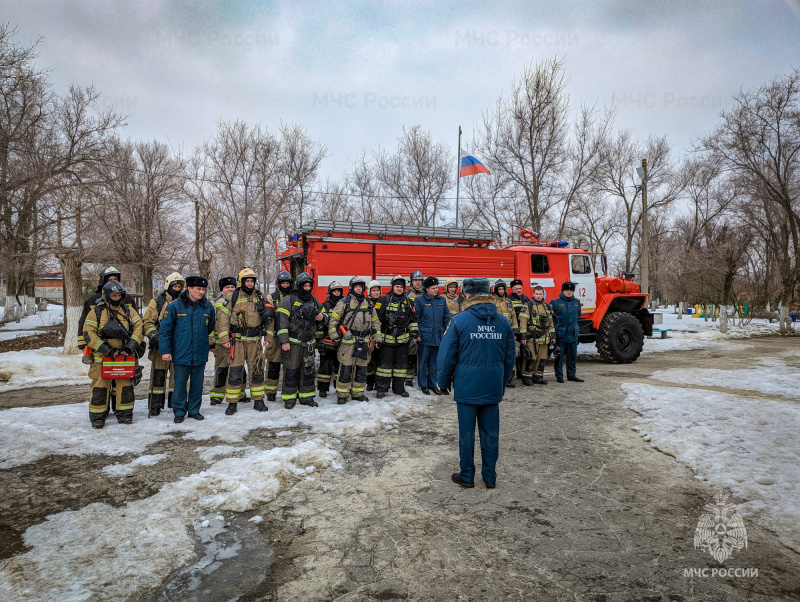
(470, 166)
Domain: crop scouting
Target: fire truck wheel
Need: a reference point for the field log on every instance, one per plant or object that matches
(620, 338)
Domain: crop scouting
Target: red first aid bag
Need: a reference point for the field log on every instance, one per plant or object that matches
(121, 367)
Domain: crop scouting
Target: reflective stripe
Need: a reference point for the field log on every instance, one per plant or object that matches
(283, 310)
(283, 331)
(288, 396)
(271, 387)
(307, 394)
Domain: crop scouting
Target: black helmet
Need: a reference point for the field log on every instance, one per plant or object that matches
(284, 276)
(498, 283)
(111, 287)
(358, 280)
(430, 281)
(333, 286)
(399, 280)
(303, 278)
(102, 277)
(416, 275)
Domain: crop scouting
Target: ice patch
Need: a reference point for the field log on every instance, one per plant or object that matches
(123, 470)
(209, 454)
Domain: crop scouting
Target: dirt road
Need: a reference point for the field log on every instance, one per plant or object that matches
(583, 509)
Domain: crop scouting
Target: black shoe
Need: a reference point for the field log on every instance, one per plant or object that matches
(511, 385)
(381, 394)
(231, 409)
(309, 402)
(559, 379)
(541, 381)
(361, 398)
(259, 406)
(404, 394)
(437, 390)
(341, 400)
(459, 481)
(177, 419)
(323, 393)
(270, 396)
(575, 379)
(155, 411)
(96, 424)
(216, 402)
(426, 390)
(490, 485)
(245, 399)
(197, 416)
(528, 382)
(125, 417)
(370, 386)
(289, 404)
(169, 400)
(409, 383)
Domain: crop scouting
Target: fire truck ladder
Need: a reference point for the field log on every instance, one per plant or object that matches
(381, 230)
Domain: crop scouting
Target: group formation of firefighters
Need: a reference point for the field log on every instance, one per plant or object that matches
(366, 340)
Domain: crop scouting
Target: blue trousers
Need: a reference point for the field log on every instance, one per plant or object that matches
(426, 370)
(193, 375)
(569, 352)
(488, 419)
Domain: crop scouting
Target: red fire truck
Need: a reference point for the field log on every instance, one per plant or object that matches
(614, 313)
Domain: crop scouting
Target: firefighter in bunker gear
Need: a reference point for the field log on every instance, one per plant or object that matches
(520, 303)
(155, 312)
(541, 333)
(222, 356)
(112, 329)
(414, 291)
(374, 294)
(273, 351)
(106, 274)
(328, 364)
(354, 321)
(245, 317)
(299, 312)
(452, 296)
(398, 325)
(506, 309)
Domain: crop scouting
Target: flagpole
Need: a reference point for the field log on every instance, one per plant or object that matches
(458, 173)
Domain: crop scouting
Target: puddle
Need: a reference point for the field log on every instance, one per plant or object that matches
(232, 558)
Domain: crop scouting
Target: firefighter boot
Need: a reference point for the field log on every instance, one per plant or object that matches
(528, 382)
(231, 409)
(309, 402)
(124, 416)
(246, 399)
(169, 400)
(258, 405)
(341, 400)
(98, 420)
(270, 396)
(155, 406)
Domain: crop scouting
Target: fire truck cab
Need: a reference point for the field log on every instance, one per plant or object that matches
(614, 316)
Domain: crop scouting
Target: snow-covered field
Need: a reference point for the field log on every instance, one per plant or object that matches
(144, 541)
(743, 442)
(54, 314)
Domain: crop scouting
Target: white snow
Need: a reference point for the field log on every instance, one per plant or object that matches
(54, 314)
(123, 470)
(8, 335)
(744, 443)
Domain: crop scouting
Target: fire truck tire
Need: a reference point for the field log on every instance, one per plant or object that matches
(620, 338)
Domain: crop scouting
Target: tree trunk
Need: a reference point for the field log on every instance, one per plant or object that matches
(73, 298)
(680, 310)
(723, 319)
(147, 285)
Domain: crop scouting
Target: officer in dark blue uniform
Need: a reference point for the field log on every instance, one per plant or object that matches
(566, 311)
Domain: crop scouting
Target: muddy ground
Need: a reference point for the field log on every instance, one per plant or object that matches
(583, 509)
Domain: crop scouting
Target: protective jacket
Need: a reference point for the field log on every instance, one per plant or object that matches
(454, 302)
(432, 318)
(359, 316)
(520, 305)
(413, 293)
(566, 312)
(248, 317)
(185, 328)
(155, 312)
(297, 324)
(540, 312)
(88, 306)
(322, 327)
(99, 324)
(398, 318)
(477, 353)
(506, 309)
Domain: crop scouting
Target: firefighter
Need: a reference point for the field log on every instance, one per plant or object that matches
(244, 317)
(155, 312)
(398, 325)
(506, 309)
(299, 314)
(328, 364)
(112, 328)
(354, 322)
(272, 353)
(222, 356)
(375, 295)
(541, 333)
(452, 296)
(106, 274)
(520, 303)
(413, 292)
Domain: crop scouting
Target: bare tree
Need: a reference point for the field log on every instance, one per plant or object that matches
(300, 160)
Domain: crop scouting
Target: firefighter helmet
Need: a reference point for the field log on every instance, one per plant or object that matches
(245, 273)
(358, 280)
(373, 284)
(430, 281)
(172, 279)
(399, 280)
(416, 275)
(284, 276)
(303, 278)
(498, 283)
(333, 286)
(111, 287)
(102, 277)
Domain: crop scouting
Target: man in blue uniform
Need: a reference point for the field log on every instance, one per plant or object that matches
(477, 355)
(566, 311)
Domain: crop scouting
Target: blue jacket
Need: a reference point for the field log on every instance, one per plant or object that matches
(477, 353)
(432, 318)
(566, 312)
(184, 330)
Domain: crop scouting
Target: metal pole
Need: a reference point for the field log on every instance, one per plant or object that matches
(645, 236)
(458, 173)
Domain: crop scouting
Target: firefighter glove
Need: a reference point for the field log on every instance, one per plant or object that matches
(105, 349)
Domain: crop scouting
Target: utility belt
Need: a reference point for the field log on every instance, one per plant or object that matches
(396, 331)
(303, 337)
(253, 331)
(361, 333)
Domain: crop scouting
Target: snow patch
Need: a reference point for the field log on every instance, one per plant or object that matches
(123, 470)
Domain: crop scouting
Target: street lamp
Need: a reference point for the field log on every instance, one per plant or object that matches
(642, 171)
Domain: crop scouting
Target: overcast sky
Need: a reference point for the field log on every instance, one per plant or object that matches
(354, 73)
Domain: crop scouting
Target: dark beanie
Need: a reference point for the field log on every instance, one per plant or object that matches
(476, 286)
(223, 282)
(196, 281)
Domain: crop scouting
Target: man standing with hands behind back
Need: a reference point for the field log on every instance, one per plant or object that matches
(477, 355)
